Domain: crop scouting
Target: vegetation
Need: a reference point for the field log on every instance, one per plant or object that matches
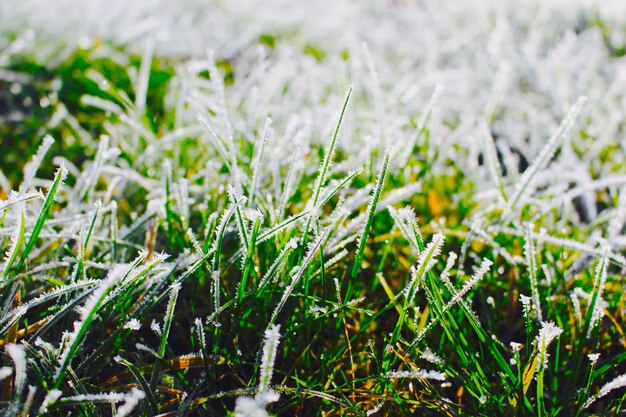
(298, 224)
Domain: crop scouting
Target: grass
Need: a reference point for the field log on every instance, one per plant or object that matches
(302, 226)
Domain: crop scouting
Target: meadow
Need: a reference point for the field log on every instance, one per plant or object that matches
(331, 208)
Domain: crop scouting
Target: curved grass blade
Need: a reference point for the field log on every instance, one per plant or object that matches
(59, 178)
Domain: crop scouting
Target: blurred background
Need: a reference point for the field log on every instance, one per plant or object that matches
(536, 56)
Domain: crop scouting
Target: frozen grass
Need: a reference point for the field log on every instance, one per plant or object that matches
(342, 208)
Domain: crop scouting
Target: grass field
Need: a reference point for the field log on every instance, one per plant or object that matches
(327, 208)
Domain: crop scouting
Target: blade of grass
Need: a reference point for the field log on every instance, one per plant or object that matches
(371, 211)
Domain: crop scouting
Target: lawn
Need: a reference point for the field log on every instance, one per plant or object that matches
(330, 208)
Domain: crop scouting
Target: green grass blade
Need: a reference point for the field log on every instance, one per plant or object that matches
(59, 178)
(17, 240)
(371, 211)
